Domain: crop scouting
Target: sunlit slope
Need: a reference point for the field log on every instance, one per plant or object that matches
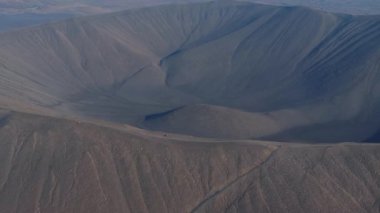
(291, 67)
(52, 165)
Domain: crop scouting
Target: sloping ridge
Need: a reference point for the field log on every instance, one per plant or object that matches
(208, 68)
(228, 56)
(54, 165)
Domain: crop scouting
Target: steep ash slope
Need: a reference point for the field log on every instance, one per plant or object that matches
(273, 63)
(220, 70)
(52, 165)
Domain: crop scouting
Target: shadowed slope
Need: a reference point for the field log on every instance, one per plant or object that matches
(267, 61)
(51, 165)
(112, 59)
(363, 7)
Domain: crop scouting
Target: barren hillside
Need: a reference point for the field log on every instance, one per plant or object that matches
(202, 107)
(288, 68)
(52, 165)
(24, 13)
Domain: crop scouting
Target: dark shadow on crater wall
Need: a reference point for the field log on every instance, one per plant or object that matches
(336, 132)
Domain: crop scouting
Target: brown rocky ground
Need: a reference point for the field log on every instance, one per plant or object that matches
(55, 165)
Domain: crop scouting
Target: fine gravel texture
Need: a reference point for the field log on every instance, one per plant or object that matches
(50, 165)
